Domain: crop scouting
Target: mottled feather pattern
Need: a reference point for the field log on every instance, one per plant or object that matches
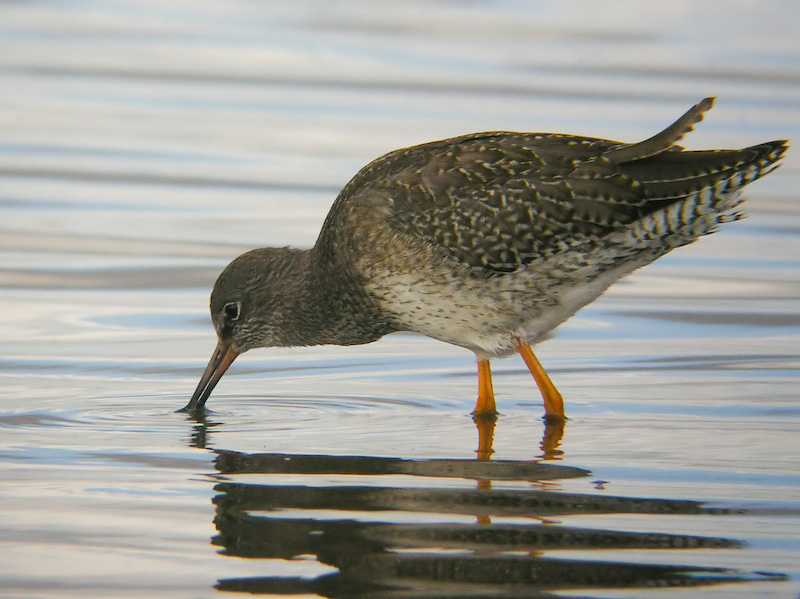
(485, 238)
(500, 201)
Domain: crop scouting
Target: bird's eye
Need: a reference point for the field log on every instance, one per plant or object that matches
(232, 310)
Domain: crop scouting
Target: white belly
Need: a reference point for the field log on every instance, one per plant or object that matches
(486, 315)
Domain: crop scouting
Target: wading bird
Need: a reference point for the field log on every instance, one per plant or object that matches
(487, 241)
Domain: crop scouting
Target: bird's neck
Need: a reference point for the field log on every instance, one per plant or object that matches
(330, 306)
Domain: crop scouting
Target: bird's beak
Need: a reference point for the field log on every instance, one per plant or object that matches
(223, 357)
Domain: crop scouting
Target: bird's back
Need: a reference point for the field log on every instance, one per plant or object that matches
(489, 212)
(502, 200)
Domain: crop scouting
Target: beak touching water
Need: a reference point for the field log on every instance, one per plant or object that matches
(223, 357)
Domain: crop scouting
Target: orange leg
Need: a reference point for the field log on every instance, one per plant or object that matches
(485, 406)
(553, 402)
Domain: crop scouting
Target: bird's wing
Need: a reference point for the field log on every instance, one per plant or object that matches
(499, 201)
(502, 200)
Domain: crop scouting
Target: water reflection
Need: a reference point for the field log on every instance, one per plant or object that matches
(434, 539)
(553, 433)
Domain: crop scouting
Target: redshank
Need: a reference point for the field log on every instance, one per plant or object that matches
(487, 241)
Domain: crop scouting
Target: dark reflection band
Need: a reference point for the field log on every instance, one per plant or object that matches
(382, 557)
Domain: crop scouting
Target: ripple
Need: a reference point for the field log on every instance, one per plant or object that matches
(32, 419)
(122, 414)
(310, 415)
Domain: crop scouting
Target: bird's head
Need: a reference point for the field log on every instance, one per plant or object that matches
(249, 306)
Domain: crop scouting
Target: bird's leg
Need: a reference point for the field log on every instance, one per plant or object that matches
(553, 402)
(485, 414)
(485, 406)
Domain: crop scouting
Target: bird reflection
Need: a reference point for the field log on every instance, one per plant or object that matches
(553, 433)
(485, 424)
(550, 444)
(484, 542)
(381, 543)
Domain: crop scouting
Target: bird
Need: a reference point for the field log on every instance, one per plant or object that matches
(487, 241)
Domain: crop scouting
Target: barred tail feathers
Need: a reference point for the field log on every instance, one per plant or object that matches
(703, 196)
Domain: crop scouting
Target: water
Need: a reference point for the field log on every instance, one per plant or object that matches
(143, 145)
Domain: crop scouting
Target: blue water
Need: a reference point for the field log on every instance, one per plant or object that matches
(144, 145)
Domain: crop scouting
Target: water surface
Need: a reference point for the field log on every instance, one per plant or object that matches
(144, 145)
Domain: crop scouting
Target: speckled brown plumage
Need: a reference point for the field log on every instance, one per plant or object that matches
(487, 241)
